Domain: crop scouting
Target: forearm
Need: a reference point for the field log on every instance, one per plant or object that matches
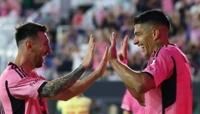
(80, 86)
(131, 78)
(137, 81)
(53, 87)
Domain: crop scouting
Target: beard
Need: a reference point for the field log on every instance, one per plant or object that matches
(38, 62)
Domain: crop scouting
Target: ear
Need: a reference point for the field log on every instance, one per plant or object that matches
(28, 44)
(156, 33)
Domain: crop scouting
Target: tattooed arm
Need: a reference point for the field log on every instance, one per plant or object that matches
(54, 87)
(83, 84)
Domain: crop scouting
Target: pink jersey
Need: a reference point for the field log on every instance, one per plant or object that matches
(130, 104)
(19, 91)
(170, 70)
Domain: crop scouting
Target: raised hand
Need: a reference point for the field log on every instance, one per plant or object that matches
(123, 52)
(87, 60)
(112, 50)
(102, 66)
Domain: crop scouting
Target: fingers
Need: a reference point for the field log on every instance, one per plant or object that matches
(105, 55)
(91, 44)
(125, 42)
(113, 39)
(87, 60)
(125, 46)
(91, 41)
(102, 66)
(112, 49)
(123, 52)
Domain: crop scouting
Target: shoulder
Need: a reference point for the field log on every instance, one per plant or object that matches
(174, 51)
(11, 73)
(167, 51)
(167, 48)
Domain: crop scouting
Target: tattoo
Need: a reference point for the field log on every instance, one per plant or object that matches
(52, 88)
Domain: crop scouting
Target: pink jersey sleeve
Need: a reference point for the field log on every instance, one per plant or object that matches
(27, 87)
(161, 67)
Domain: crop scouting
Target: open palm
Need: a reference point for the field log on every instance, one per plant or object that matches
(123, 52)
(112, 49)
(87, 60)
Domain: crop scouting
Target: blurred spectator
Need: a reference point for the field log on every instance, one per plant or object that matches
(77, 105)
(4, 10)
(77, 18)
(14, 6)
(143, 5)
(194, 56)
(10, 7)
(167, 6)
(195, 24)
(71, 31)
(99, 17)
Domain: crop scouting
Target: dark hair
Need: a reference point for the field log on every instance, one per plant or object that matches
(28, 30)
(154, 16)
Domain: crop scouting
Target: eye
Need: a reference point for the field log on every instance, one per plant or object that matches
(137, 34)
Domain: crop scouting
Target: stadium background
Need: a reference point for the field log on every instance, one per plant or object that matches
(71, 21)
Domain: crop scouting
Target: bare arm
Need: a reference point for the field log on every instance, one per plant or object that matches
(83, 84)
(79, 87)
(137, 82)
(54, 87)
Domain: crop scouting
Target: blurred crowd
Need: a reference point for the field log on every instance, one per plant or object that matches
(69, 31)
(70, 25)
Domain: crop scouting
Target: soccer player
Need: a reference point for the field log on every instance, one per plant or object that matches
(23, 90)
(79, 104)
(164, 86)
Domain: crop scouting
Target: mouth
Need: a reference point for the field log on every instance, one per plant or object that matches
(142, 47)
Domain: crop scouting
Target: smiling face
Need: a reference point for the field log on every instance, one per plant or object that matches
(40, 49)
(144, 38)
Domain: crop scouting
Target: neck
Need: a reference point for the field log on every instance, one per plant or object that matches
(22, 61)
(163, 40)
(157, 47)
